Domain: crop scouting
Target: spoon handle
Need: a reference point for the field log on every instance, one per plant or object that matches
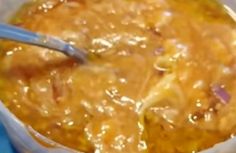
(24, 36)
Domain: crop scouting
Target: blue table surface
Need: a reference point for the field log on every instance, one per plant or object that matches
(5, 144)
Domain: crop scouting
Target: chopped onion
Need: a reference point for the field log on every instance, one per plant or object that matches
(159, 51)
(221, 94)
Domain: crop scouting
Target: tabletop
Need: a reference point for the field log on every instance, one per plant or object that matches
(5, 145)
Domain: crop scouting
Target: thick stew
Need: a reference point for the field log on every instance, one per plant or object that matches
(161, 77)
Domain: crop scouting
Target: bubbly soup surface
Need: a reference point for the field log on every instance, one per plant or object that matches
(161, 78)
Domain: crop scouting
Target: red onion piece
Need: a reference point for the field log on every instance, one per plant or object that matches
(221, 94)
(159, 51)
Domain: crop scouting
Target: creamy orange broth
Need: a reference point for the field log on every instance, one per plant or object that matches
(148, 85)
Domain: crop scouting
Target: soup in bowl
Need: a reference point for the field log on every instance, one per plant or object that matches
(160, 78)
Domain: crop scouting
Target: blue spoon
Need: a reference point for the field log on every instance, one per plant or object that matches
(24, 36)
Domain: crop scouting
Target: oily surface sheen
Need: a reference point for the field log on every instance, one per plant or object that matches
(161, 77)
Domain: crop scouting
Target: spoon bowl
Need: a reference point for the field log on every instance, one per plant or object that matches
(14, 33)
